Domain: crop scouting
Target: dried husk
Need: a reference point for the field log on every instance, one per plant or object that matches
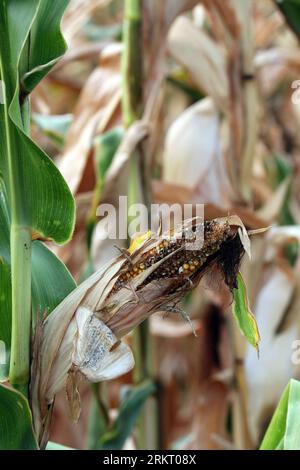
(82, 336)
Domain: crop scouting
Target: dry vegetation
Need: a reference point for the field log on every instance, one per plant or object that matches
(211, 121)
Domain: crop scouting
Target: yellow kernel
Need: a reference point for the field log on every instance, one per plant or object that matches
(185, 267)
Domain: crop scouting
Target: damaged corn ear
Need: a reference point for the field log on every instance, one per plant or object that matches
(83, 336)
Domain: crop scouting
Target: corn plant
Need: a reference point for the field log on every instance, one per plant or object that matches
(36, 203)
(57, 334)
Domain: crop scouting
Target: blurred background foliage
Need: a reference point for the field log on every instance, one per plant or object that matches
(218, 126)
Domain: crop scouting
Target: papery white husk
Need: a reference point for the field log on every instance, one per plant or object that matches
(98, 354)
(90, 348)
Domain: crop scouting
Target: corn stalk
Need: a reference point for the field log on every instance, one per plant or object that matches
(132, 108)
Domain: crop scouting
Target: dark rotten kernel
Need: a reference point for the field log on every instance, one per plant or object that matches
(222, 248)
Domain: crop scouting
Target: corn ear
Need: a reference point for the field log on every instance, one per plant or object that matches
(83, 336)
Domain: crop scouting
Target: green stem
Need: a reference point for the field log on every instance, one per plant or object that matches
(132, 108)
(132, 74)
(141, 343)
(132, 70)
(21, 307)
(98, 420)
(20, 237)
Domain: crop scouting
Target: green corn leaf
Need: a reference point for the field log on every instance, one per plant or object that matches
(44, 45)
(283, 432)
(98, 423)
(244, 317)
(53, 126)
(54, 446)
(51, 281)
(30, 42)
(291, 11)
(129, 412)
(106, 146)
(16, 431)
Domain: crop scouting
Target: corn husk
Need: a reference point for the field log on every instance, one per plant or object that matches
(83, 336)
